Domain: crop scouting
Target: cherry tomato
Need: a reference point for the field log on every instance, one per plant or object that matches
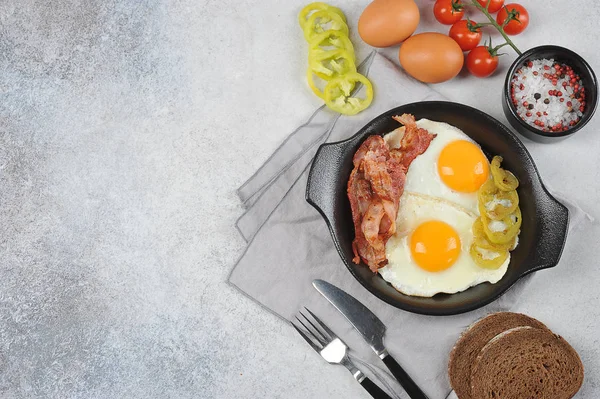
(513, 27)
(448, 12)
(481, 62)
(466, 34)
(495, 5)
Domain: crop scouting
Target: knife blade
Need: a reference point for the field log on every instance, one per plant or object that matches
(371, 328)
(364, 321)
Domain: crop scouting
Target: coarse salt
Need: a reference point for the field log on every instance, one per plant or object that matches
(548, 95)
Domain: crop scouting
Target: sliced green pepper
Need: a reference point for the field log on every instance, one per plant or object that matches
(484, 262)
(338, 94)
(317, 6)
(512, 223)
(499, 211)
(504, 179)
(311, 83)
(478, 228)
(317, 21)
(480, 239)
(329, 64)
(331, 40)
(484, 243)
(489, 187)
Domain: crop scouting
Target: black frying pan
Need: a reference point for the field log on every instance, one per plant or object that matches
(543, 230)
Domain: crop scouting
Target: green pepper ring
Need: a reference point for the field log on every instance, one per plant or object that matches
(334, 87)
(329, 35)
(315, 62)
(309, 28)
(317, 6)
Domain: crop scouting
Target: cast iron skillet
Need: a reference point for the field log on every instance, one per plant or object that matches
(543, 230)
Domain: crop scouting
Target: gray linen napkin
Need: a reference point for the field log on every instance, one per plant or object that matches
(290, 246)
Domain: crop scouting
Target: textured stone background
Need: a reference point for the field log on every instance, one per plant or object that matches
(125, 127)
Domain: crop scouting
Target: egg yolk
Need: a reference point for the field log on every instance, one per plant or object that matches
(434, 246)
(463, 167)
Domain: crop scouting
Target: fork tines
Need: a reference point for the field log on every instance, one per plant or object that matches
(317, 337)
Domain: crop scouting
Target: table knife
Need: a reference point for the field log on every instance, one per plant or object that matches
(371, 329)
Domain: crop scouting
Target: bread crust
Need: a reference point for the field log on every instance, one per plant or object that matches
(526, 362)
(471, 342)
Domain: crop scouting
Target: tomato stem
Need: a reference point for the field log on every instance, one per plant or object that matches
(457, 6)
(474, 26)
(498, 47)
(494, 50)
(495, 24)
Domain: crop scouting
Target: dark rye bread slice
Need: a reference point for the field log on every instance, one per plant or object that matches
(467, 348)
(527, 362)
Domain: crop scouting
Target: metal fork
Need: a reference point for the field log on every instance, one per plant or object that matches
(334, 350)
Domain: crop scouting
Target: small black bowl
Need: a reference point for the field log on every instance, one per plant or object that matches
(562, 55)
(543, 229)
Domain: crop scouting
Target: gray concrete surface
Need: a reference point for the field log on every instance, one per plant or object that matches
(125, 127)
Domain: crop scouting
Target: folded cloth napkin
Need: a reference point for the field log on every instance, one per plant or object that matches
(289, 246)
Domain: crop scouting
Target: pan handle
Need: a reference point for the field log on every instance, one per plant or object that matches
(325, 178)
(553, 225)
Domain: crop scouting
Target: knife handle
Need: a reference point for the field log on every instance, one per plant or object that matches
(411, 388)
(373, 389)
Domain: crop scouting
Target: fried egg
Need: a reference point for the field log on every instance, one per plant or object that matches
(429, 253)
(451, 169)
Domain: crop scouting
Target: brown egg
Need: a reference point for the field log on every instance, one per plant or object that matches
(431, 57)
(386, 23)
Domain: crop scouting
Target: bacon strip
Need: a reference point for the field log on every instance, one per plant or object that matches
(375, 187)
(414, 142)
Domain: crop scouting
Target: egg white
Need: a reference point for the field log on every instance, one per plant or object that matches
(423, 177)
(407, 277)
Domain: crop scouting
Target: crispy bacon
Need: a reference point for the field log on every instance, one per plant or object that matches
(414, 142)
(375, 187)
